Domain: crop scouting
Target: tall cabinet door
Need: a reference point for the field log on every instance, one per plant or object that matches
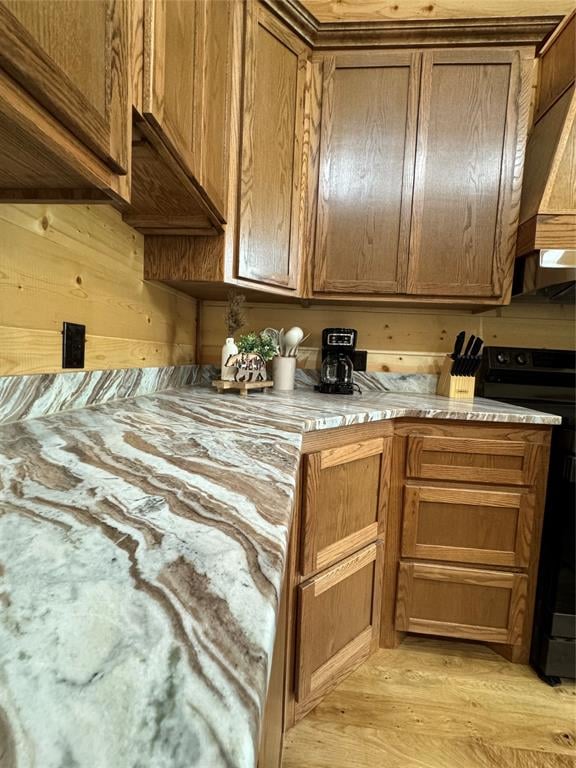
(368, 129)
(471, 129)
(73, 57)
(275, 73)
(187, 81)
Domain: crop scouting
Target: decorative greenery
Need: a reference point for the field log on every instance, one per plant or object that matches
(261, 343)
(234, 318)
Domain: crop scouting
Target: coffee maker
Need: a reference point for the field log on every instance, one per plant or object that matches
(336, 373)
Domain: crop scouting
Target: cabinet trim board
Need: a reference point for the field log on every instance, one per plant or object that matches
(331, 457)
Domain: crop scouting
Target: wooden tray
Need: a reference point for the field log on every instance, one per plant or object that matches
(241, 386)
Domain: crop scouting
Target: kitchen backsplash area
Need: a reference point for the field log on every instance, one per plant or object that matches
(398, 340)
(83, 264)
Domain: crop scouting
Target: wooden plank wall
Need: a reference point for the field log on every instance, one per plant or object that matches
(384, 10)
(409, 340)
(83, 264)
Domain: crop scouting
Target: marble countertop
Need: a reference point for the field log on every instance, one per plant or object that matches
(142, 549)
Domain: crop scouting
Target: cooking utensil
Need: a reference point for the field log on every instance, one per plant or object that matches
(292, 338)
(293, 351)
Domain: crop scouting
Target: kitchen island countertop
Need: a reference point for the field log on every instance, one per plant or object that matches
(142, 549)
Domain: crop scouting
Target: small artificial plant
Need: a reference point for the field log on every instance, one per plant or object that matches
(234, 318)
(261, 343)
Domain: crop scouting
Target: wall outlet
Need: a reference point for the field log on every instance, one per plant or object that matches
(73, 341)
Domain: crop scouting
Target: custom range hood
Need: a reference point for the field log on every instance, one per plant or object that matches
(546, 245)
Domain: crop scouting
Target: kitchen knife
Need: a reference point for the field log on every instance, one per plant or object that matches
(458, 344)
(473, 362)
(469, 345)
(456, 360)
(475, 350)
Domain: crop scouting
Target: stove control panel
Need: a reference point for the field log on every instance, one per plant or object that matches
(511, 358)
(500, 357)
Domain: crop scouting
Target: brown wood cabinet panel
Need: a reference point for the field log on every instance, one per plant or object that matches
(338, 623)
(344, 502)
(472, 460)
(188, 60)
(368, 130)
(215, 110)
(557, 65)
(461, 602)
(471, 131)
(269, 218)
(171, 79)
(469, 526)
(73, 57)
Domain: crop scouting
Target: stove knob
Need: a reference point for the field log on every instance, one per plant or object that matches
(503, 358)
(521, 358)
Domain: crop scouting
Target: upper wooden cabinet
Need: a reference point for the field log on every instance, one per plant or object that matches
(468, 169)
(187, 60)
(186, 85)
(419, 172)
(65, 99)
(273, 120)
(368, 135)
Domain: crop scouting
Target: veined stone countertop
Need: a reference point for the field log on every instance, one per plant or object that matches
(142, 549)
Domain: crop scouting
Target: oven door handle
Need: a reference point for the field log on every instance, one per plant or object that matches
(570, 469)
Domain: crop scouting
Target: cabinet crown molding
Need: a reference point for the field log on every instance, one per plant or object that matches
(322, 36)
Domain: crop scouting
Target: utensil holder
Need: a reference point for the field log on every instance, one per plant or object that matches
(283, 373)
(456, 387)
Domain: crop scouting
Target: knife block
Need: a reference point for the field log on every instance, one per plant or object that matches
(456, 387)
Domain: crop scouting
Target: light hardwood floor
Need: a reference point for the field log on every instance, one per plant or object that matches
(438, 704)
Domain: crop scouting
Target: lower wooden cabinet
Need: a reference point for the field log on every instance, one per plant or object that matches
(344, 501)
(472, 460)
(467, 603)
(413, 525)
(468, 525)
(338, 622)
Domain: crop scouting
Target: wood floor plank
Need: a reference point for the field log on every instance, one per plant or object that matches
(438, 704)
(328, 745)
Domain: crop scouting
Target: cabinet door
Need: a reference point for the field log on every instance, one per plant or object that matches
(338, 622)
(188, 58)
(73, 57)
(275, 71)
(172, 83)
(368, 130)
(470, 148)
(461, 602)
(344, 501)
(188, 61)
(468, 526)
(472, 460)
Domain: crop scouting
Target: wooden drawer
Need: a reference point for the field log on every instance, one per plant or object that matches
(468, 526)
(502, 462)
(338, 623)
(461, 602)
(344, 499)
